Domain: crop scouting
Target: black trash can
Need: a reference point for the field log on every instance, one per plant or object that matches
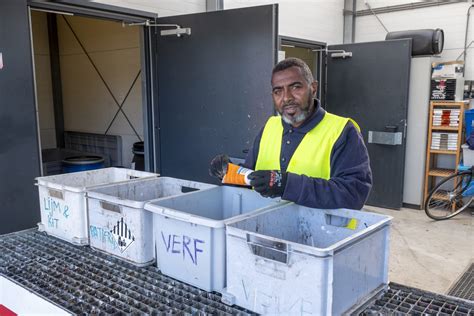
(139, 156)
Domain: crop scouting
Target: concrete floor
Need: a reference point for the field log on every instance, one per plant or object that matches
(427, 254)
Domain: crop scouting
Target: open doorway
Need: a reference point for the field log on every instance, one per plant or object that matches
(311, 53)
(88, 92)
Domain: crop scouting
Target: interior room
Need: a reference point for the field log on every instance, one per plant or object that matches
(92, 105)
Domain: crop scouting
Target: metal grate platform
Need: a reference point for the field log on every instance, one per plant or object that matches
(464, 287)
(84, 281)
(403, 300)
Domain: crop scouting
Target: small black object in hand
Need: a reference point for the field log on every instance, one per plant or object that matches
(269, 183)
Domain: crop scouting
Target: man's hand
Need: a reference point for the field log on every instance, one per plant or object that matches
(269, 183)
(218, 167)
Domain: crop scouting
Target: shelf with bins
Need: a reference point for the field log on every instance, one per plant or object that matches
(444, 138)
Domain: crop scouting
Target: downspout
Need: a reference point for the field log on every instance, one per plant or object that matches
(465, 38)
(214, 5)
(354, 9)
(349, 15)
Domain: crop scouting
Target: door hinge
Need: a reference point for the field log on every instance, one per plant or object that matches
(178, 30)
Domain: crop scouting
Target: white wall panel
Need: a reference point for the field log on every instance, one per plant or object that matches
(315, 20)
(162, 7)
(451, 18)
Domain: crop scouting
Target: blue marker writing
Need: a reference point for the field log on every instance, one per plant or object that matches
(196, 250)
(175, 242)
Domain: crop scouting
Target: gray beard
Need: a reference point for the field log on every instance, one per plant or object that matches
(300, 117)
(296, 119)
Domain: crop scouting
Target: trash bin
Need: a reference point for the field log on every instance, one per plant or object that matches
(138, 161)
(118, 222)
(63, 204)
(190, 232)
(82, 163)
(293, 259)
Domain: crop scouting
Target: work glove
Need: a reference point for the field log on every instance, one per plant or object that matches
(218, 166)
(269, 183)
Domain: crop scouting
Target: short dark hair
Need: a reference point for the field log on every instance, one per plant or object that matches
(294, 62)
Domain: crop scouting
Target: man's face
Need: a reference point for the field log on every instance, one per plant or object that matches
(293, 95)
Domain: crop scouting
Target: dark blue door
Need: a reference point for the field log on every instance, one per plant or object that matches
(19, 150)
(372, 88)
(214, 90)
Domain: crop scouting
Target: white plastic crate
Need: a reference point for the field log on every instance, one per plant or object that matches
(190, 232)
(63, 200)
(118, 222)
(296, 260)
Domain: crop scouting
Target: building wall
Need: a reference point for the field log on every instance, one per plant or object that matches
(312, 20)
(360, 4)
(451, 18)
(43, 79)
(162, 7)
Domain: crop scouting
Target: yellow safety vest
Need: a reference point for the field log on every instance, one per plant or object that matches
(313, 155)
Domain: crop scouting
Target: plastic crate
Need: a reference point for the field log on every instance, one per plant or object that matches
(467, 156)
(190, 232)
(293, 260)
(63, 200)
(469, 121)
(470, 189)
(118, 222)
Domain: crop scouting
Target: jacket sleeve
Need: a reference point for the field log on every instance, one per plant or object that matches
(350, 182)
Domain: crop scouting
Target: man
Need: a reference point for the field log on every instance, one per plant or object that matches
(306, 155)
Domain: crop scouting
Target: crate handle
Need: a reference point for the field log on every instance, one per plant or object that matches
(110, 207)
(269, 249)
(56, 194)
(186, 189)
(175, 215)
(340, 221)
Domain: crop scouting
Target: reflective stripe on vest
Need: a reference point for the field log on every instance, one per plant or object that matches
(313, 155)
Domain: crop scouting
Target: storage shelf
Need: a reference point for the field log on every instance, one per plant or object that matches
(445, 128)
(443, 196)
(441, 172)
(432, 170)
(446, 152)
(448, 104)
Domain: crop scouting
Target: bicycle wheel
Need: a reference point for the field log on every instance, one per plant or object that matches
(449, 197)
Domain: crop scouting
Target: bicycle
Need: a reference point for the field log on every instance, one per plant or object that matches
(445, 203)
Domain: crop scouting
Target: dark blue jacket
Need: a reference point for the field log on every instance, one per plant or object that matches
(351, 177)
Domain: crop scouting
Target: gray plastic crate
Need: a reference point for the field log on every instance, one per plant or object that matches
(190, 232)
(63, 200)
(294, 260)
(118, 222)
